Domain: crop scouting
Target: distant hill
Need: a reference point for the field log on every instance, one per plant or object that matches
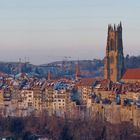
(132, 61)
(15, 67)
(88, 68)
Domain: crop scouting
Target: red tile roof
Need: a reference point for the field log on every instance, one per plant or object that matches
(86, 82)
(132, 74)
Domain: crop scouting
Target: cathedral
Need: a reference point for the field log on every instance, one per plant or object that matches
(114, 60)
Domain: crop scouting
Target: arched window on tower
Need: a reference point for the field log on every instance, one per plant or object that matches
(111, 71)
(111, 59)
(111, 44)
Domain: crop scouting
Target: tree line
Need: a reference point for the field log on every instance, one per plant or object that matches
(56, 128)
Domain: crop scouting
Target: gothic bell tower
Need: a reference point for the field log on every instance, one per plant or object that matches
(114, 59)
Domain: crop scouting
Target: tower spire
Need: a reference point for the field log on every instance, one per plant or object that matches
(49, 75)
(77, 72)
(120, 24)
(114, 27)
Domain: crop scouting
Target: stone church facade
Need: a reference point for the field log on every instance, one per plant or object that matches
(114, 60)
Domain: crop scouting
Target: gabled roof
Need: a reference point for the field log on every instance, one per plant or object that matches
(132, 74)
(86, 82)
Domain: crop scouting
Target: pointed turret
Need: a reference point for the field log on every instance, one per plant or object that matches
(49, 76)
(77, 72)
(114, 27)
(120, 24)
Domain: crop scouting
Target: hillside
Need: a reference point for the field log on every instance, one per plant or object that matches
(88, 68)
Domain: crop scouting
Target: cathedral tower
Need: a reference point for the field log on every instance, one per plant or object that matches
(114, 60)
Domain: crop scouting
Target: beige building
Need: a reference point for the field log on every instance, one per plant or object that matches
(26, 99)
(48, 98)
(37, 98)
(1, 102)
(57, 101)
(60, 100)
(1, 98)
(85, 88)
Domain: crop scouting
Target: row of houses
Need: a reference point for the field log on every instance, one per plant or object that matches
(23, 95)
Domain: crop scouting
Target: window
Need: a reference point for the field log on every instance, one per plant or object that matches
(111, 71)
(29, 104)
(111, 59)
(112, 44)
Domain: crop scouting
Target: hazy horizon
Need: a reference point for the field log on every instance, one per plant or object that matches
(49, 30)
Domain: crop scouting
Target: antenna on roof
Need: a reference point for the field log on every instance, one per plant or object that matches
(25, 59)
(19, 60)
(28, 60)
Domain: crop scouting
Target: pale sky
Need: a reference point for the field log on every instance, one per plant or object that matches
(48, 30)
